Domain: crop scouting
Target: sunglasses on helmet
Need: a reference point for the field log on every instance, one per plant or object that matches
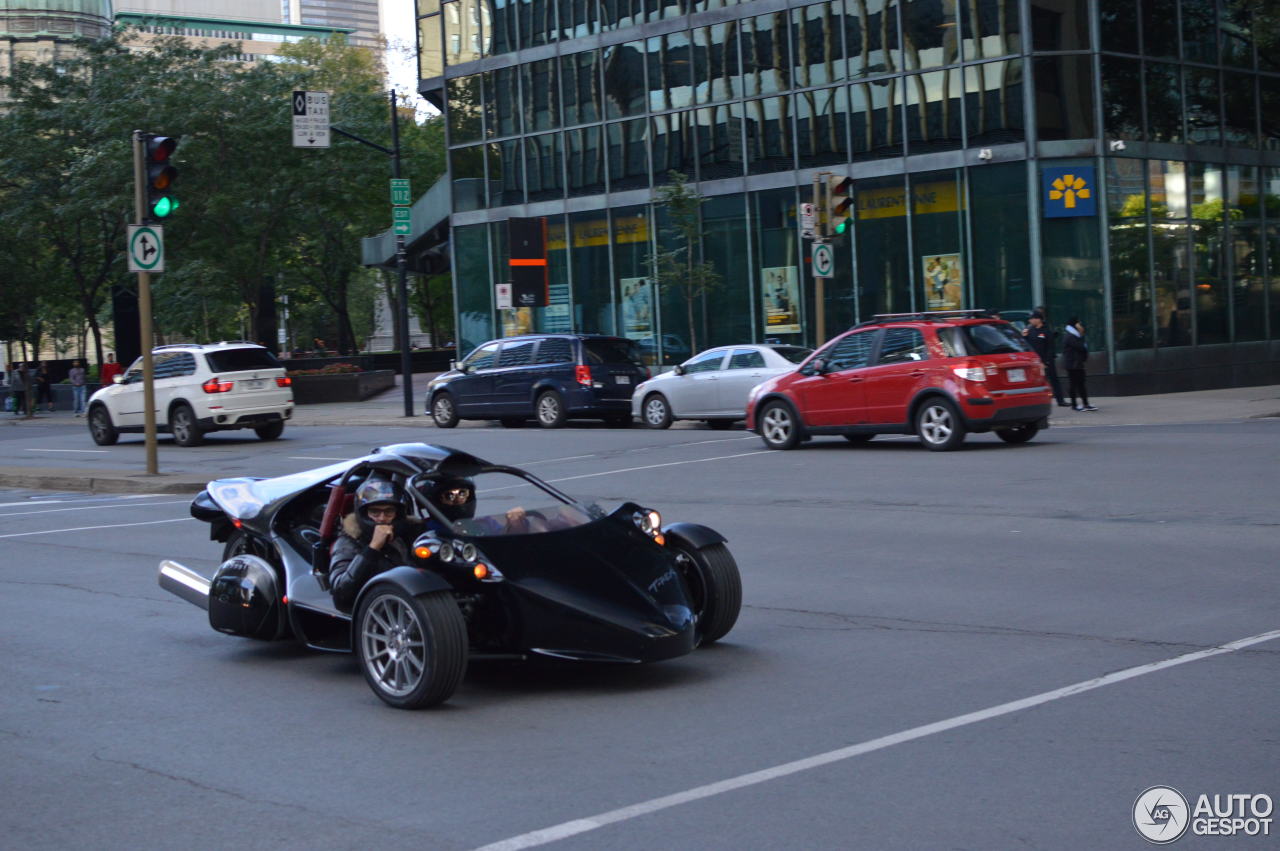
(455, 496)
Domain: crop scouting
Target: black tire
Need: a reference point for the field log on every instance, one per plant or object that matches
(511, 422)
(721, 425)
(444, 411)
(241, 543)
(389, 623)
(549, 409)
(1018, 434)
(655, 412)
(618, 422)
(183, 426)
(715, 587)
(778, 426)
(938, 425)
(860, 438)
(101, 429)
(270, 431)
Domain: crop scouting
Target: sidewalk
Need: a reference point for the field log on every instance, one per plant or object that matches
(1234, 404)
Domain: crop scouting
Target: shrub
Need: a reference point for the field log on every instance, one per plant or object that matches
(330, 369)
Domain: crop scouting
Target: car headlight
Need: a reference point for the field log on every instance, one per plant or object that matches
(650, 522)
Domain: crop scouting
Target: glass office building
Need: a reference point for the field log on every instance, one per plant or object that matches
(1116, 160)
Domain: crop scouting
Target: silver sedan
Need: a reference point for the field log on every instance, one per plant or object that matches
(712, 385)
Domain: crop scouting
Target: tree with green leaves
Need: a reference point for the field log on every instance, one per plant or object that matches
(675, 264)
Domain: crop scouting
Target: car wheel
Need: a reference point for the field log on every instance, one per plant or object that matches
(715, 589)
(656, 413)
(778, 426)
(550, 410)
(860, 438)
(184, 428)
(939, 426)
(618, 422)
(1018, 434)
(413, 650)
(443, 411)
(241, 543)
(511, 422)
(720, 425)
(100, 427)
(270, 431)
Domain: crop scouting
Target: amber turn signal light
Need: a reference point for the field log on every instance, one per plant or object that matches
(422, 552)
(481, 571)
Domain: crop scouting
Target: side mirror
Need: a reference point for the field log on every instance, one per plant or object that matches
(117, 379)
(678, 369)
(817, 366)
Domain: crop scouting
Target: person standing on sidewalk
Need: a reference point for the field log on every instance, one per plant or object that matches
(1075, 352)
(1040, 338)
(18, 387)
(76, 376)
(44, 388)
(110, 370)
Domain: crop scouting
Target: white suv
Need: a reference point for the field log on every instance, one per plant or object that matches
(198, 389)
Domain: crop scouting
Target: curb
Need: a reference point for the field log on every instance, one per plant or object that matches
(99, 482)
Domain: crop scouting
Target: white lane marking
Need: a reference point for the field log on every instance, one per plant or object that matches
(87, 528)
(577, 826)
(91, 451)
(319, 458)
(97, 507)
(32, 502)
(629, 470)
(717, 440)
(553, 460)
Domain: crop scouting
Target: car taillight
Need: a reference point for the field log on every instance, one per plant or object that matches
(284, 382)
(970, 373)
(213, 385)
(583, 375)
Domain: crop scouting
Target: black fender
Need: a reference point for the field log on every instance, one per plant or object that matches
(693, 535)
(412, 579)
(204, 508)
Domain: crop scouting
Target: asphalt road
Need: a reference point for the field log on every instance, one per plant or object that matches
(897, 604)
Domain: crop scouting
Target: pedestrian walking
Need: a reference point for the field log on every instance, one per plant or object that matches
(44, 388)
(110, 370)
(18, 387)
(1040, 338)
(1075, 353)
(76, 376)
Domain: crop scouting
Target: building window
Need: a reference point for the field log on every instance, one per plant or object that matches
(1064, 97)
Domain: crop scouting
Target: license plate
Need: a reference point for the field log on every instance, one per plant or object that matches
(255, 384)
(623, 379)
(1016, 375)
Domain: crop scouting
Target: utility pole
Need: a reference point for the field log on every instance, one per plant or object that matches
(144, 309)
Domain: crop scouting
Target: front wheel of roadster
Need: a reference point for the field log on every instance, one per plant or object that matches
(412, 650)
(715, 586)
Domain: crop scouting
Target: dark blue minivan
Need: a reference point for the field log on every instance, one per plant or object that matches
(549, 377)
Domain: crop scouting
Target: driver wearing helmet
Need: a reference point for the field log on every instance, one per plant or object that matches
(369, 543)
(456, 499)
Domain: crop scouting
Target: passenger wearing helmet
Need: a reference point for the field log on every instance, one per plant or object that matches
(455, 498)
(369, 543)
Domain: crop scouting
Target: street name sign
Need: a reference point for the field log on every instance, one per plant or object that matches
(401, 219)
(146, 248)
(401, 195)
(311, 119)
(824, 262)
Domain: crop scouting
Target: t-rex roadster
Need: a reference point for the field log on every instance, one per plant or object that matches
(571, 581)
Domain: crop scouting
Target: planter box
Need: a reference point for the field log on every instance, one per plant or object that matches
(345, 387)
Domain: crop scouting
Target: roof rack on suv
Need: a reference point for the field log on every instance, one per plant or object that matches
(235, 342)
(177, 346)
(926, 316)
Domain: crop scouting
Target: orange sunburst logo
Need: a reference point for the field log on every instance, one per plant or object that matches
(1068, 188)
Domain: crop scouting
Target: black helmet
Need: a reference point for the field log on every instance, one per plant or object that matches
(455, 497)
(378, 491)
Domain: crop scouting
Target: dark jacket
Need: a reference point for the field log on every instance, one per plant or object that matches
(1041, 340)
(1074, 351)
(353, 562)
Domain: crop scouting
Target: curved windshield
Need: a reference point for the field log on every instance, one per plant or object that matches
(498, 503)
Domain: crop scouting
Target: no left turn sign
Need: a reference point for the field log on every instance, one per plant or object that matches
(146, 248)
(824, 262)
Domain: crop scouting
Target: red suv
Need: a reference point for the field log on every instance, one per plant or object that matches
(938, 375)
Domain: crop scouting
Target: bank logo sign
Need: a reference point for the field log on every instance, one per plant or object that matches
(1068, 191)
(1162, 814)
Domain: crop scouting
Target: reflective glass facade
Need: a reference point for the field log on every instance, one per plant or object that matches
(1156, 119)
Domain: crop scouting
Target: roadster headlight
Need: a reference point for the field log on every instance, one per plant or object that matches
(446, 554)
(469, 552)
(649, 522)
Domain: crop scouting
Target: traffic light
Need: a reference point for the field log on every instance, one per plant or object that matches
(839, 203)
(161, 174)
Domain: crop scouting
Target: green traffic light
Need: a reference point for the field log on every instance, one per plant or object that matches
(843, 226)
(164, 207)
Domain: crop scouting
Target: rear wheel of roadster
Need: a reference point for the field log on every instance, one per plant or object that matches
(413, 650)
(716, 588)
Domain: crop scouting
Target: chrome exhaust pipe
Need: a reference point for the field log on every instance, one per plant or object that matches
(185, 583)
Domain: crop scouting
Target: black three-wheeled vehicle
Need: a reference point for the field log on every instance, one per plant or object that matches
(571, 581)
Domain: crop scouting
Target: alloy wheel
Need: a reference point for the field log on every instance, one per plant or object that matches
(777, 425)
(394, 649)
(936, 425)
